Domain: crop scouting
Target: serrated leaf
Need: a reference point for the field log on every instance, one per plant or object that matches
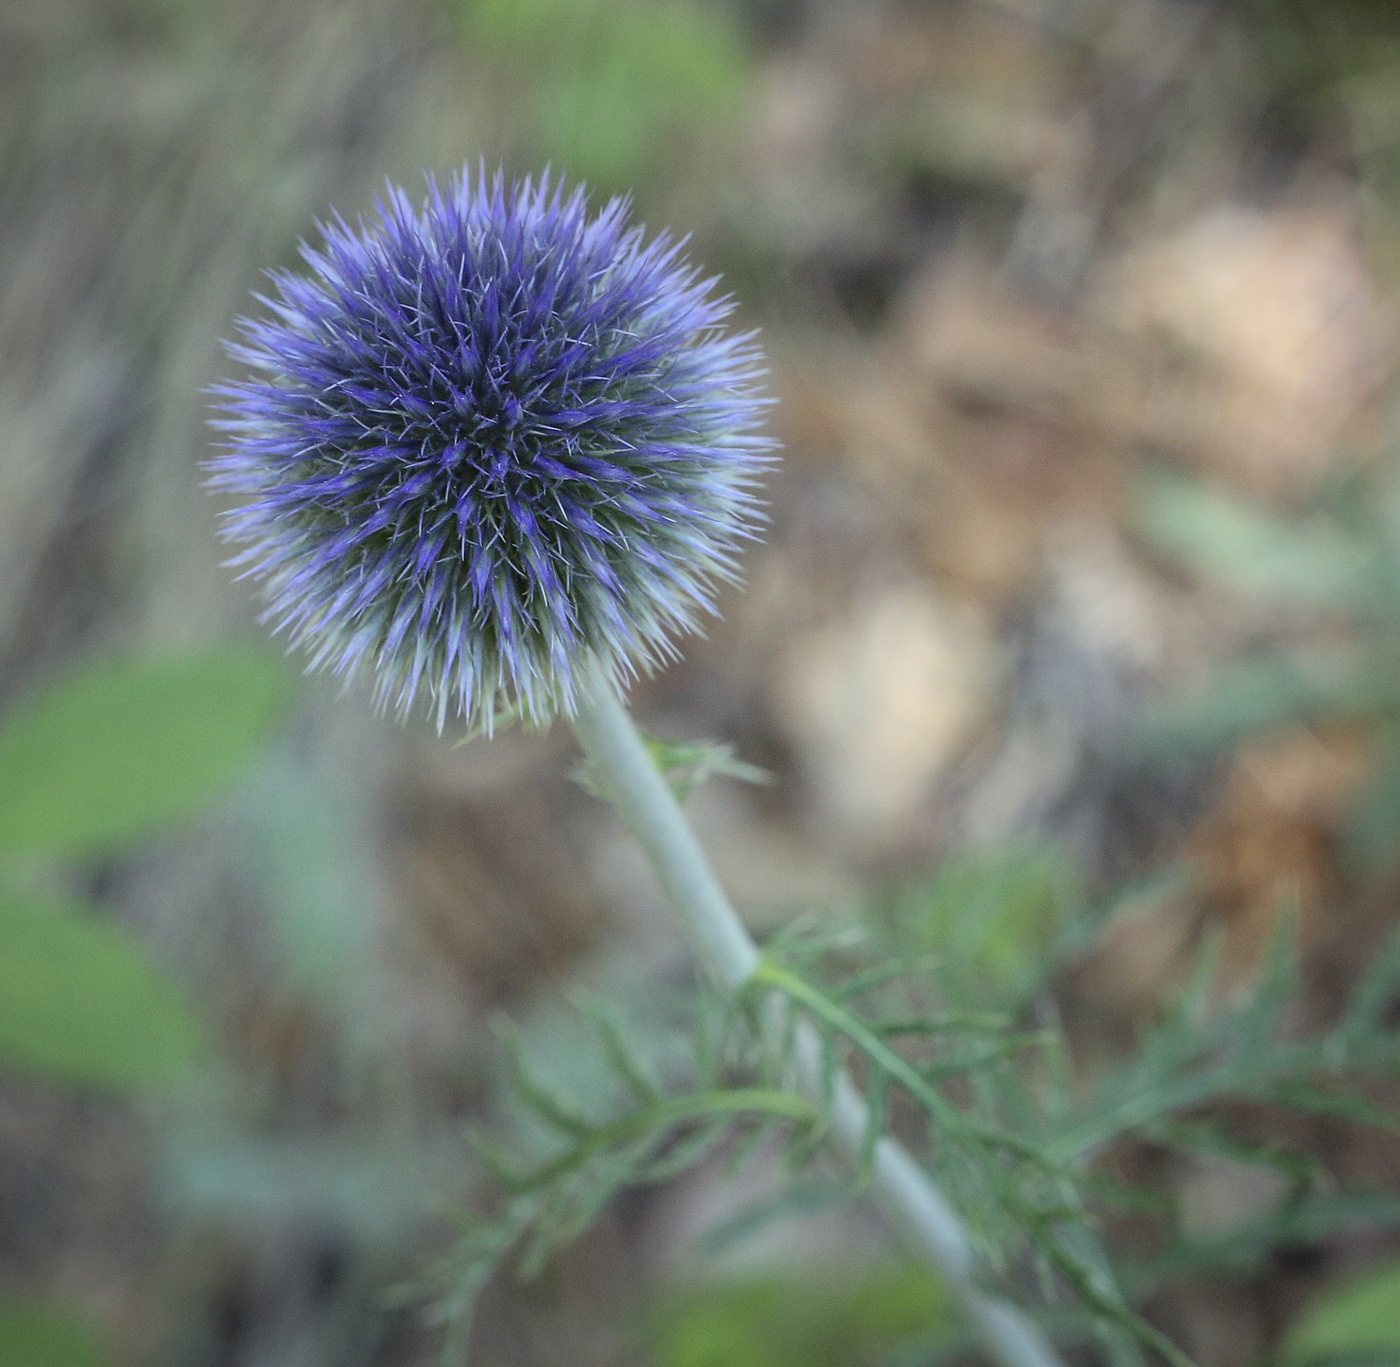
(33, 1335)
(621, 1057)
(992, 917)
(1360, 1317)
(79, 1002)
(534, 1091)
(687, 765)
(123, 747)
(684, 765)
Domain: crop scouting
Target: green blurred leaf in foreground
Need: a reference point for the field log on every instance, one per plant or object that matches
(80, 1003)
(771, 1321)
(122, 747)
(44, 1336)
(1359, 1321)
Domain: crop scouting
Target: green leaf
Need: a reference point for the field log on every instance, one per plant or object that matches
(1309, 562)
(125, 746)
(1361, 1317)
(34, 1335)
(771, 1321)
(78, 1002)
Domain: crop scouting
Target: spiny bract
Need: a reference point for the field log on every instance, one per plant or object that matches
(488, 442)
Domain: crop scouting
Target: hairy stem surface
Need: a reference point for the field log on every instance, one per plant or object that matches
(904, 1191)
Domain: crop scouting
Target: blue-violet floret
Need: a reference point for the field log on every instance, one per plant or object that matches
(489, 442)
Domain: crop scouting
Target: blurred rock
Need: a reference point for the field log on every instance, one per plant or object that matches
(1263, 336)
(879, 702)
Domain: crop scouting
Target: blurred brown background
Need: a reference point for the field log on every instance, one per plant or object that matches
(1011, 259)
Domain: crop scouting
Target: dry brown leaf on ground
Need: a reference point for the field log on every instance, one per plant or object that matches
(1262, 337)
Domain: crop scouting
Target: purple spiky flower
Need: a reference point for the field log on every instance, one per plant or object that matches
(488, 442)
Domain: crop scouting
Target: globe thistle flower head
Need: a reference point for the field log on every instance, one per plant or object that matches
(488, 442)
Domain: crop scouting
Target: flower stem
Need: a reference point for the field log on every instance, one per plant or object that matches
(904, 1191)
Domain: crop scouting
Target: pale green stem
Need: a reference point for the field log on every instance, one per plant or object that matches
(906, 1194)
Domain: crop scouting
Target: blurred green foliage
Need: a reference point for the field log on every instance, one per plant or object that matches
(1313, 561)
(1333, 570)
(1335, 566)
(45, 1336)
(120, 749)
(1310, 43)
(1017, 1129)
(772, 1321)
(992, 916)
(1338, 62)
(79, 1002)
(1356, 1323)
(107, 755)
(613, 92)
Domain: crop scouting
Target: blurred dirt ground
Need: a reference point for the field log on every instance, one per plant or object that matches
(1010, 257)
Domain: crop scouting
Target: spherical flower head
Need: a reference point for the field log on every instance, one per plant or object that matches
(489, 444)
